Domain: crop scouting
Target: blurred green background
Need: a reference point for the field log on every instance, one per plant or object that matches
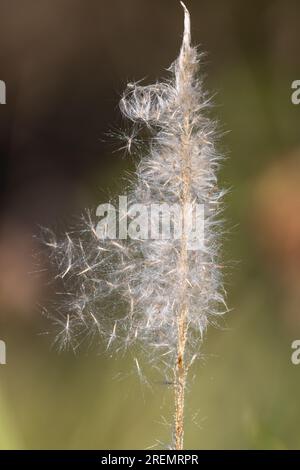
(65, 64)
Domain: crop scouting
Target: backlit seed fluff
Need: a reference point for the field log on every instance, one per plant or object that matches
(155, 294)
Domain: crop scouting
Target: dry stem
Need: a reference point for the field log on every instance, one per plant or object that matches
(181, 367)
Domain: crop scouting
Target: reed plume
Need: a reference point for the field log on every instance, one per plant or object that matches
(159, 293)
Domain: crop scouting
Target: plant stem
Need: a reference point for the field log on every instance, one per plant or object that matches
(180, 383)
(181, 368)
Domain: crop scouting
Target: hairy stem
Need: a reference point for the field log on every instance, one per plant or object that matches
(180, 380)
(184, 76)
(181, 367)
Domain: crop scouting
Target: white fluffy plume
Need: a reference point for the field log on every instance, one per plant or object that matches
(156, 293)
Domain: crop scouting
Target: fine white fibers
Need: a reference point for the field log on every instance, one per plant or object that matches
(131, 291)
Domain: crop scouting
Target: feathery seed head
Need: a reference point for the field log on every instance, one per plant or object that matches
(132, 290)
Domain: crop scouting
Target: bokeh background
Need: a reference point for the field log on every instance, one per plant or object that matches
(65, 64)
